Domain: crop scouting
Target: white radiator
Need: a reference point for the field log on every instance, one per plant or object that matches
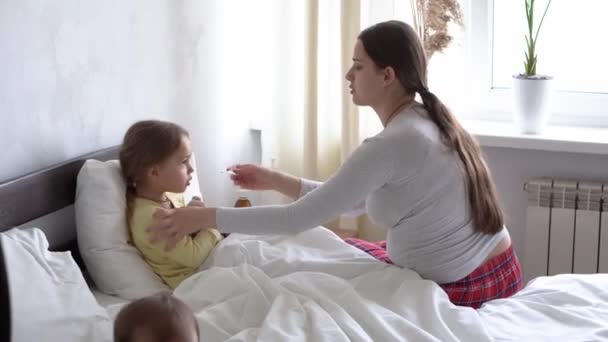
(566, 229)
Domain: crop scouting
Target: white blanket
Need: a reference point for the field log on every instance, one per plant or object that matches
(314, 287)
(564, 307)
(309, 287)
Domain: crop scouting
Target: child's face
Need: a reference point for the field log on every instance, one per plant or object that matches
(175, 173)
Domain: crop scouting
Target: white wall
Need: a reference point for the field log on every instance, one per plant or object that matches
(512, 167)
(233, 80)
(75, 74)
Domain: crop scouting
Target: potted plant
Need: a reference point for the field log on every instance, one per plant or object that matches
(531, 92)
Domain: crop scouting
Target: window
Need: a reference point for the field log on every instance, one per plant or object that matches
(571, 46)
(474, 75)
(570, 49)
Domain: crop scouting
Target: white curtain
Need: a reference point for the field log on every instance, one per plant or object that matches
(315, 125)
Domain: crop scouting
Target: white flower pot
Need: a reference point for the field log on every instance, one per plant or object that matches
(532, 102)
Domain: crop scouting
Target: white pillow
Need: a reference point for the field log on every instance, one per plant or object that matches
(101, 225)
(50, 300)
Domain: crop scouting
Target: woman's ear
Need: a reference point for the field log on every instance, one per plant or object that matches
(389, 75)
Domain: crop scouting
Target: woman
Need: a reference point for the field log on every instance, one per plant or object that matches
(423, 178)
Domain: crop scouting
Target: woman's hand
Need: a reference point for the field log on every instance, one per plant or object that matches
(250, 176)
(172, 225)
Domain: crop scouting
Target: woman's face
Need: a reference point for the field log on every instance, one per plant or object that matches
(365, 78)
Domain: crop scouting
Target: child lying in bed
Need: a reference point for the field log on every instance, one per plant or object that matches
(157, 318)
(155, 162)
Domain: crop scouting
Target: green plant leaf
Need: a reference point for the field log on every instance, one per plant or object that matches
(531, 38)
(541, 21)
(530, 18)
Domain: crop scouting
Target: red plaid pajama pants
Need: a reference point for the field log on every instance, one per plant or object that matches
(499, 277)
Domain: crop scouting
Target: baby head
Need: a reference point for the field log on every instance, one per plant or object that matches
(157, 318)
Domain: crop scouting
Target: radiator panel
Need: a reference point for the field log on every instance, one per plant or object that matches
(566, 228)
(587, 234)
(587, 228)
(538, 215)
(561, 239)
(537, 254)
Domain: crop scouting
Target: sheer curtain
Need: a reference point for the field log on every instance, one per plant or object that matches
(315, 125)
(319, 125)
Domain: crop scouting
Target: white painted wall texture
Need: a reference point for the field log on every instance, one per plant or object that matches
(75, 74)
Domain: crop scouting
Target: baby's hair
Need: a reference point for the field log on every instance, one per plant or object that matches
(146, 144)
(161, 317)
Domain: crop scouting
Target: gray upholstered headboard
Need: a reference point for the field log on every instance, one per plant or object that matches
(44, 192)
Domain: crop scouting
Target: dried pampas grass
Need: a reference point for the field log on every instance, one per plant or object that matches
(431, 20)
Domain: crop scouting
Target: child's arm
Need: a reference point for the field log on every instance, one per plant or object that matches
(193, 251)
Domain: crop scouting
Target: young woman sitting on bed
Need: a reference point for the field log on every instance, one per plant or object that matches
(155, 162)
(423, 178)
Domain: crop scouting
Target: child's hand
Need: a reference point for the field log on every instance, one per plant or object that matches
(196, 202)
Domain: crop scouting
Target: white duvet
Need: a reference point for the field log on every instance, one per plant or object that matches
(564, 307)
(314, 287)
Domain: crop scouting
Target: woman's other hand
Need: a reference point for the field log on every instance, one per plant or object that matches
(253, 177)
(172, 225)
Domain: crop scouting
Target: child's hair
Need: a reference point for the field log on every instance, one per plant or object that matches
(146, 144)
(161, 317)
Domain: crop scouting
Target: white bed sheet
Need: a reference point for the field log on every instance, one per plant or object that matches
(565, 307)
(106, 300)
(314, 287)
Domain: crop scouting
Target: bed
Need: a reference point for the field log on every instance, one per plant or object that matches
(308, 287)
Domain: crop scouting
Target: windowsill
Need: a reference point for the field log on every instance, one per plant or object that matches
(554, 138)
